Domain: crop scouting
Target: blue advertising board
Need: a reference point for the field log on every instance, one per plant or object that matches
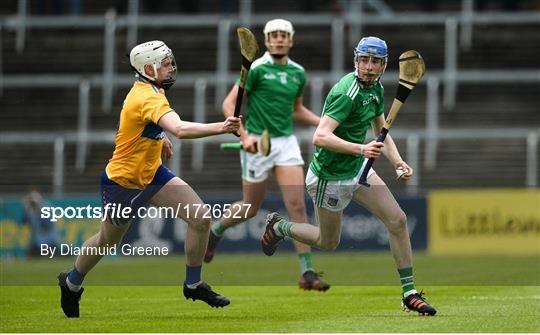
(360, 229)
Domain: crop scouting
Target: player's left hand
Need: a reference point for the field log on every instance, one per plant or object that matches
(167, 147)
(404, 167)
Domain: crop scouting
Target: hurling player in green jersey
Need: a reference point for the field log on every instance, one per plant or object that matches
(352, 106)
(274, 91)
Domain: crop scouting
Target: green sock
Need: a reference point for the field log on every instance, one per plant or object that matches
(305, 262)
(283, 228)
(407, 281)
(218, 229)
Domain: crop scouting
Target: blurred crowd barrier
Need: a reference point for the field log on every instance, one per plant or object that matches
(473, 221)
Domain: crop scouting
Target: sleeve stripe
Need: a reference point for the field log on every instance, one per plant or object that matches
(351, 88)
(354, 92)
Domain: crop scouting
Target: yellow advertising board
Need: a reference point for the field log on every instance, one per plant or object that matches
(484, 221)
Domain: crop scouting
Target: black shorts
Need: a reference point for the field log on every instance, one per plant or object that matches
(118, 197)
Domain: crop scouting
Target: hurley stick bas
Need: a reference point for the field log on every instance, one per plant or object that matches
(249, 48)
(411, 70)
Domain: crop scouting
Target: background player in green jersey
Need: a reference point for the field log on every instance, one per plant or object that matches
(353, 105)
(274, 88)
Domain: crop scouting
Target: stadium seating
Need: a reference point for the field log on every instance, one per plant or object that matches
(460, 162)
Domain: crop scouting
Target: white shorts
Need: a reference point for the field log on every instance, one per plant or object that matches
(333, 195)
(285, 151)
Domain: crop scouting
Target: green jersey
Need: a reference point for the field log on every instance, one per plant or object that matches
(354, 107)
(272, 90)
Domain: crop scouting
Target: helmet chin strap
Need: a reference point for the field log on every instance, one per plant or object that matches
(278, 56)
(165, 84)
(366, 84)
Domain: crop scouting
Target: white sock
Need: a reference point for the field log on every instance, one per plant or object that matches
(194, 286)
(73, 287)
(408, 293)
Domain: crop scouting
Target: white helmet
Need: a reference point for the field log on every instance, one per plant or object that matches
(153, 53)
(278, 25)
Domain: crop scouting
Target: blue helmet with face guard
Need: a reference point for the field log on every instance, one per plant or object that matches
(372, 47)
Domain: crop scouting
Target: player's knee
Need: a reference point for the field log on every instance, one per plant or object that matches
(398, 223)
(296, 206)
(200, 224)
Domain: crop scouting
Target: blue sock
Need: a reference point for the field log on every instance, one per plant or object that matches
(193, 274)
(75, 277)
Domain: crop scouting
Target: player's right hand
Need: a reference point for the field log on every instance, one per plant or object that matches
(248, 144)
(231, 124)
(167, 147)
(373, 149)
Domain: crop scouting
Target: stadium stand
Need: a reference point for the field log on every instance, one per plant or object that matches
(460, 162)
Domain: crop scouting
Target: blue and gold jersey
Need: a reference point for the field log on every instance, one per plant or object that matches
(139, 140)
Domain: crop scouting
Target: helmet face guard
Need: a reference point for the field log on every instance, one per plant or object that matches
(156, 54)
(372, 47)
(171, 79)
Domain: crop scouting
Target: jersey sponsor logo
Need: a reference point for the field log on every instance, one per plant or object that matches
(282, 77)
(370, 99)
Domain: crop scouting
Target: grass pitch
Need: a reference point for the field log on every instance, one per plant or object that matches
(260, 305)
